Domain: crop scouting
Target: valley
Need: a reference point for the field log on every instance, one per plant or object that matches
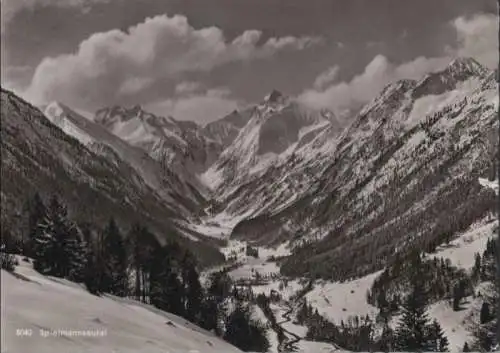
(322, 225)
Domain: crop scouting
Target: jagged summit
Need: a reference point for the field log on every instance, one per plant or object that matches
(467, 64)
(461, 69)
(274, 96)
(458, 71)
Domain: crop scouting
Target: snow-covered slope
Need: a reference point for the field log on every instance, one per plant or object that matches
(338, 301)
(43, 305)
(225, 130)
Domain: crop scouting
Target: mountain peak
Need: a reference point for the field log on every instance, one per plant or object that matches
(467, 65)
(274, 97)
(459, 70)
(136, 109)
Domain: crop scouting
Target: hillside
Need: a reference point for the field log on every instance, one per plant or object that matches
(409, 164)
(40, 305)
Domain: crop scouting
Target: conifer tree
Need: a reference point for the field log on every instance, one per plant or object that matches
(43, 248)
(76, 253)
(37, 212)
(485, 315)
(437, 341)
(244, 332)
(166, 291)
(485, 331)
(192, 287)
(93, 272)
(58, 247)
(50, 254)
(411, 334)
(115, 276)
(386, 339)
(7, 261)
(477, 265)
(209, 312)
(142, 244)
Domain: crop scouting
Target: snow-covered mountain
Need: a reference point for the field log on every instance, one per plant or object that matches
(225, 130)
(408, 163)
(181, 146)
(278, 129)
(173, 189)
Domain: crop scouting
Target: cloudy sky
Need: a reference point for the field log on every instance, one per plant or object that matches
(199, 59)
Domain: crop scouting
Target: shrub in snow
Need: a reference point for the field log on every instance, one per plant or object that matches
(8, 262)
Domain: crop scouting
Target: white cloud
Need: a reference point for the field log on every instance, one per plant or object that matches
(327, 77)
(187, 87)
(134, 85)
(360, 89)
(477, 38)
(202, 108)
(161, 48)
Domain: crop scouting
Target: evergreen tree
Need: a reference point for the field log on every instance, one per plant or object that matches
(142, 244)
(302, 313)
(93, 272)
(411, 334)
(209, 314)
(76, 252)
(437, 341)
(485, 315)
(244, 332)
(456, 298)
(51, 257)
(115, 274)
(485, 331)
(193, 289)
(466, 348)
(59, 249)
(43, 247)
(37, 212)
(459, 292)
(7, 261)
(477, 265)
(386, 339)
(166, 291)
(220, 286)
